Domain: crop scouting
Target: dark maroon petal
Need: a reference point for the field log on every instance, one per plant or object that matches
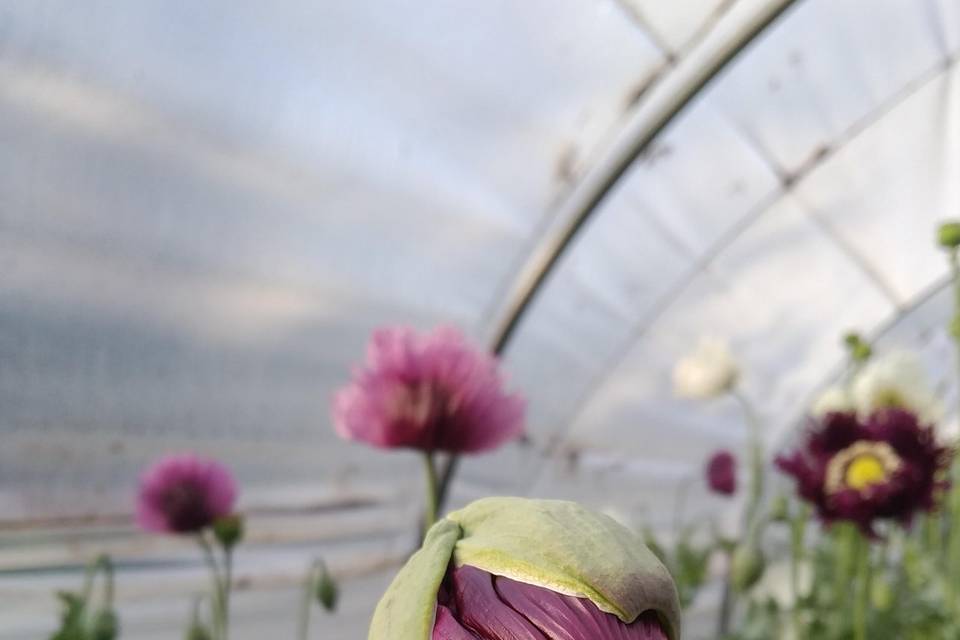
(485, 607)
(808, 474)
(480, 608)
(446, 627)
(562, 617)
(838, 431)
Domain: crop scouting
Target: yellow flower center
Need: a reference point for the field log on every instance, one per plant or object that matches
(864, 471)
(862, 465)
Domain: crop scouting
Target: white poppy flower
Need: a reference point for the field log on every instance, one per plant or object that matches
(832, 399)
(708, 372)
(895, 379)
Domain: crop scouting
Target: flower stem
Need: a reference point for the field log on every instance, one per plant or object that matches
(727, 599)
(307, 603)
(219, 610)
(227, 586)
(756, 459)
(432, 497)
(798, 527)
(752, 521)
(953, 541)
(862, 589)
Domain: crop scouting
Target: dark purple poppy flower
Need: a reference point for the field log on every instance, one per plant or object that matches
(722, 473)
(886, 467)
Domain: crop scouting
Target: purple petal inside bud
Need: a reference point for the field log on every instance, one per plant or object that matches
(475, 605)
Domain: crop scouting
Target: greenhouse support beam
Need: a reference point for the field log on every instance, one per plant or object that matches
(590, 193)
(586, 198)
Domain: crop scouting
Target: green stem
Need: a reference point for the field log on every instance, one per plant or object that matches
(752, 521)
(432, 497)
(88, 576)
(845, 549)
(798, 528)
(307, 603)
(102, 565)
(219, 628)
(727, 599)
(756, 459)
(953, 541)
(862, 589)
(108, 589)
(227, 587)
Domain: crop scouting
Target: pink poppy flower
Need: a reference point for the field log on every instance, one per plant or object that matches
(431, 392)
(184, 494)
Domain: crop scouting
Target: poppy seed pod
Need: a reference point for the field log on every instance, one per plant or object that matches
(519, 569)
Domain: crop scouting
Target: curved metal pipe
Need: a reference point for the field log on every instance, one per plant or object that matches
(586, 199)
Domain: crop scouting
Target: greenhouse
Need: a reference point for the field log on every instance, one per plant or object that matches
(639, 319)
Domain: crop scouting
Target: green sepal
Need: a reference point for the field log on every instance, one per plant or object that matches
(407, 609)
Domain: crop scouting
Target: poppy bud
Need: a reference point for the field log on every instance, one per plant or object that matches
(512, 567)
(948, 235)
(326, 590)
(228, 530)
(746, 566)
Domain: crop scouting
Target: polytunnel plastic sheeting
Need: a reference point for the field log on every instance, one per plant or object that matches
(205, 209)
(208, 208)
(778, 237)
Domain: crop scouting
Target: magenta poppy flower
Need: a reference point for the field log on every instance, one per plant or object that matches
(722, 473)
(518, 569)
(184, 494)
(431, 392)
(888, 466)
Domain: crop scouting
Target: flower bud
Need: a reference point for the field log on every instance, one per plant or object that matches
(780, 509)
(746, 566)
(860, 350)
(948, 235)
(104, 626)
(228, 530)
(505, 567)
(954, 327)
(325, 589)
(722, 473)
